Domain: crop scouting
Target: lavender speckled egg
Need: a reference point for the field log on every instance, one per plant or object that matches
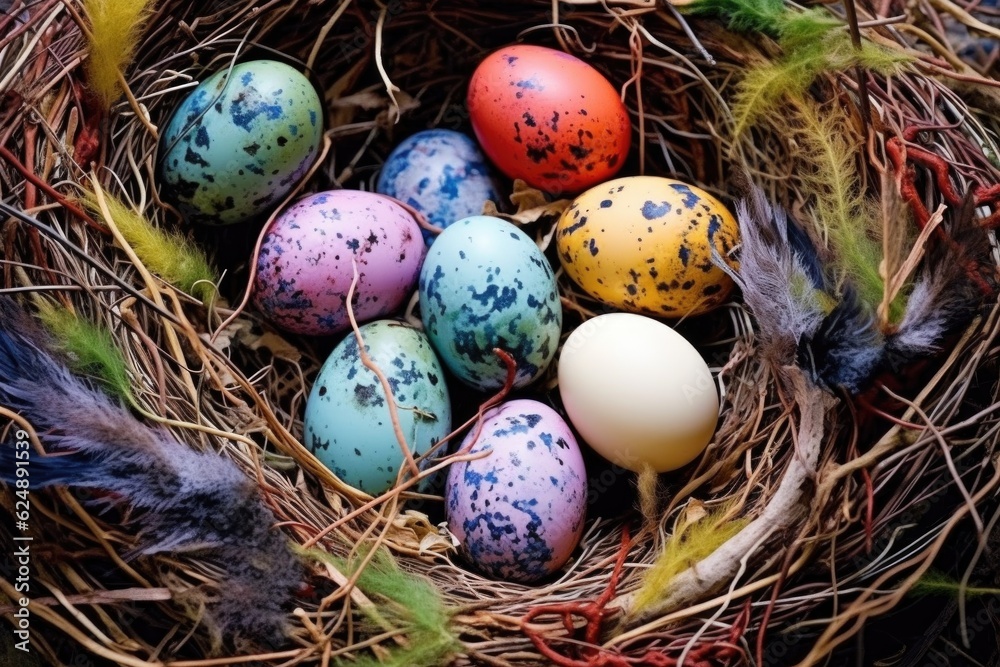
(485, 284)
(240, 141)
(305, 266)
(519, 512)
(347, 421)
(440, 173)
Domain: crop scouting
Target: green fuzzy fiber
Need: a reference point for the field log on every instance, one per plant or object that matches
(167, 254)
(938, 583)
(763, 16)
(90, 349)
(411, 602)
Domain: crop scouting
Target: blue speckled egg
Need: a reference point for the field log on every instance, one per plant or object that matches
(347, 422)
(240, 142)
(440, 173)
(485, 284)
(306, 262)
(519, 512)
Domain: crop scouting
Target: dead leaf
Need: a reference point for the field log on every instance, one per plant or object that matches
(694, 512)
(532, 205)
(276, 345)
(366, 99)
(525, 197)
(233, 333)
(430, 538)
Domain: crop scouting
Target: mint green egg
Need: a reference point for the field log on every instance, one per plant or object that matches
(240, 142)
(347, 422)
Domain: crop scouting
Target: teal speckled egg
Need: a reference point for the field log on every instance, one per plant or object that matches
(484, 285)
(347, 422)
(240, 142)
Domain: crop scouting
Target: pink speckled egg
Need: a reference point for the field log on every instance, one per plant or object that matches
(519, 512)
(306, 260)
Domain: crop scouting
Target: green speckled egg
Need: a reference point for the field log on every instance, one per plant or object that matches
(347, 421)
(484, 285)
(240, 142)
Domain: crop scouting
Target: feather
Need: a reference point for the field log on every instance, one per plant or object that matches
(170, 256)
(847, 349)
(114, 30)
(699, 534)
(187, 501)
(89, 349)
(952, 286)
(413, 603)
(785, 286)
(778, 282)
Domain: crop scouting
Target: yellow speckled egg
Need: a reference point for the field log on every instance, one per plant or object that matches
(643, 244)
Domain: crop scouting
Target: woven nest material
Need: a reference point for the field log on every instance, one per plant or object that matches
(889, 495)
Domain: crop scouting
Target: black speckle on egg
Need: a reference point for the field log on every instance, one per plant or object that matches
(195, 158)
(684, 253)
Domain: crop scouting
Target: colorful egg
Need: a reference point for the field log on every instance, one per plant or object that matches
(637, 392)
(645, 244)
(440, 173)
(519, 512)
(548, 118)
(307, 258)
(240, 142)
(347, 422)
(485, 285)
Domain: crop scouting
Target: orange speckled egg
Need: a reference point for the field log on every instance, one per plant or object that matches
(644, 244)
(548, 118)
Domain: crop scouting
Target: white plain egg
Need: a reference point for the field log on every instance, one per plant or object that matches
(638, 392)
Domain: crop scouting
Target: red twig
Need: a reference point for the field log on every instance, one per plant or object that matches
(497, 398)
(52, 192)
(901, 155)
(705, 654)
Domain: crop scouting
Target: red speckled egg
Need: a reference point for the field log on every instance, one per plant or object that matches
(548, 118)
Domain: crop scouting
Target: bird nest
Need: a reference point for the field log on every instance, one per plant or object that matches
(864, 489)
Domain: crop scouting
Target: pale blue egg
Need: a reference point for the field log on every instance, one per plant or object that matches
(440, 173)
(484, 285)
(347, 421)
(240, 142)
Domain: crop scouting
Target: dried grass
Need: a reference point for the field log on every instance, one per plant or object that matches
(217, 380)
